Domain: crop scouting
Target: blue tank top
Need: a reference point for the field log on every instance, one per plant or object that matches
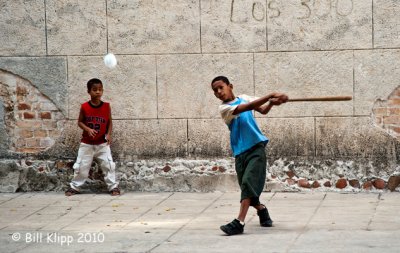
(244, 131)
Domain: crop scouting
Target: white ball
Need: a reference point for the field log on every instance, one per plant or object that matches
(110, 60)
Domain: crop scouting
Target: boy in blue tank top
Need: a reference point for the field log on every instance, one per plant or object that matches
(248, 147)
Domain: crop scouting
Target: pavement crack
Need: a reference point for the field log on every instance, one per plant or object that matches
(184, 225)
(374, 214)
(304, 228)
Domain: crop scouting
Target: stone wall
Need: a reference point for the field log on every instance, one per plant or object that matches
(162, 104)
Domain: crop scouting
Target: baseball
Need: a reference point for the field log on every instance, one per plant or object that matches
(110, 61)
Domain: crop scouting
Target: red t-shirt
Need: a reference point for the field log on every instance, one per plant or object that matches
(97, 118)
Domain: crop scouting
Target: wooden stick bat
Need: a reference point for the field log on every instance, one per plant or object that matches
(330, 98)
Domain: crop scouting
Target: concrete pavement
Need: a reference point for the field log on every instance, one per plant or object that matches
(189, 222)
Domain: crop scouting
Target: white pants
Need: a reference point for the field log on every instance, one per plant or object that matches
(102, 154)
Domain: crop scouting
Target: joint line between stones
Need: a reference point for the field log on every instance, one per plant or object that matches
(304, 228)
(148, 210)
(374, 213)
(184, 225)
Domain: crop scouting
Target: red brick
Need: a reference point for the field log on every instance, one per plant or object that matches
(24, 106)
(316, 184)
(393, 111)
(304, 183)
(380, 111)
(49, 125)
(28, 124)
(53, 133)
(214, 168)
(394, 101)
(391, 120)
(25, 133)
(45, 115)
(396, 129)
(221, 169)
(60, 164)
(354, 183)
(166, 168)
(290, 173)
(396, 93)
(393, 183)
(379, 184)
(40, 133)
(28, 150)
(21, 91)
(29, 115)
(341, 183)
(367, 185)
(328, 184)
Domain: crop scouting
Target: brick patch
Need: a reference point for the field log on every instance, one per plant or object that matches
(32, 120)
(386, 113)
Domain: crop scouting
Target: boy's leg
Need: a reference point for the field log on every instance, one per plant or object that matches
(253, 182)
(244, 208)
(103, 154)
(82, 166)
(237, 225)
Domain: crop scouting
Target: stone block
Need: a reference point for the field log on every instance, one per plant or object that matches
(66, 143)
(304, 183)
(315, 25)
(233, 26)
(306, 74)
(393, 182)
(184, 83)
(150, 138)
(76, 27)
(379, 183)
(22, 28)
(208, 137)
(289, 136)
(376, 76)
(9, 176)
(153, 27)
(47, 75)
(386, 23)
(355, 138)
(341, 183)
(130, 87)
(4, 140)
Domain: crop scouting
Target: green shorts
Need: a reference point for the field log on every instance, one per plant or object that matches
(251, 172)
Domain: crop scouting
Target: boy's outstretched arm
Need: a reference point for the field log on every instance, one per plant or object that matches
(273, 99)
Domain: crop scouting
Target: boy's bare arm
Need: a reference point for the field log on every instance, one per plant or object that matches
(264, 109)
(273, 99)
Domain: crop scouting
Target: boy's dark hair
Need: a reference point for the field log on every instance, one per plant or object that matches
(93, 81)
(221, 78)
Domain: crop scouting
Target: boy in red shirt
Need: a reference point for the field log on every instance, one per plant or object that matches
(96, 122)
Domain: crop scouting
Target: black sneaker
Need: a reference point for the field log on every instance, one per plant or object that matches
(265, 220)
(233, 228)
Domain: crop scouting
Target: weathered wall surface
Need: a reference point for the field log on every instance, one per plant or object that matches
(163, 107)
